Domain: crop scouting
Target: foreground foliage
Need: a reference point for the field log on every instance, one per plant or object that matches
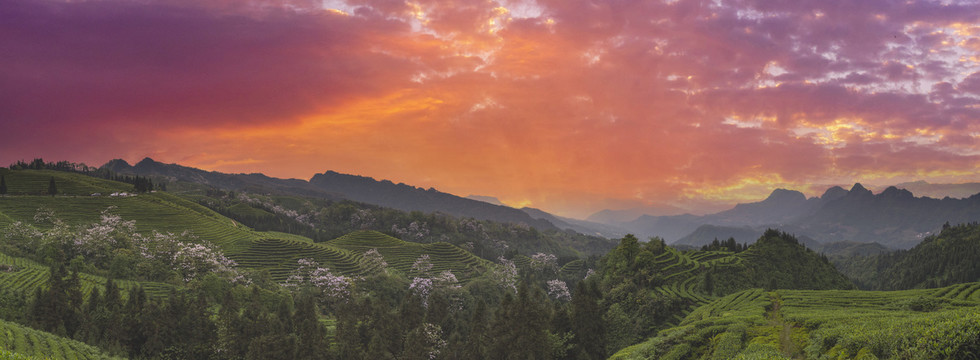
(825, 324)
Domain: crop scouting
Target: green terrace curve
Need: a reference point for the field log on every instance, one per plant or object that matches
(819, 324)
(21, 342)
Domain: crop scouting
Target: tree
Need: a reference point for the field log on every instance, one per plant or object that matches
(630, 246)
(52, 189)
(587, 323)
(3, 186)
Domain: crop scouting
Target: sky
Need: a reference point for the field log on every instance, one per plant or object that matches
(571, 106)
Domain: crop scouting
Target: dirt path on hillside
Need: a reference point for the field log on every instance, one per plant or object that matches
(786, 344)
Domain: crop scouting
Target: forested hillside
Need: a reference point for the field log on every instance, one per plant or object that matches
(950, 257)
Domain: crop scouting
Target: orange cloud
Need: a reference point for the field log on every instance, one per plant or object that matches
(570, 106)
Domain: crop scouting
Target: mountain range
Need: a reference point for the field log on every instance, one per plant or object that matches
(335, 186)
(893, 218)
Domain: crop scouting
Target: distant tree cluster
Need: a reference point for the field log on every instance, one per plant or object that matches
(39, 164)
(727, 245)
(140, 184)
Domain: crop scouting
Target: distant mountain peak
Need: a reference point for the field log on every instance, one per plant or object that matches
(833, 193)
(116, 163)
(859, 189)
(146, 161)
(784, 195)
(894, 192)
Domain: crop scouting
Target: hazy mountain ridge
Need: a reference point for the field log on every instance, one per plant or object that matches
(409, 198)
(581, 226)
(335, 186)
(924, 188)
(238, 182)
(895, 218)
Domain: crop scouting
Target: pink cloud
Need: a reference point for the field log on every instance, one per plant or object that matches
(592, 102)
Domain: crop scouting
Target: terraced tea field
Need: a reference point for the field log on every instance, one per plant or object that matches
(25, 276)
(158, 211)
(400, 255)
(164, 212)
(344, 255)
(820, 324)
(35, 182)
(20, 342)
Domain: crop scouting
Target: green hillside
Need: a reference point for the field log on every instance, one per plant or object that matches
(825, 324)
(656, 285)
(20, 342)
(35, 182)
(158, 211)
(20, 275)
(167, 213)
(950, 257)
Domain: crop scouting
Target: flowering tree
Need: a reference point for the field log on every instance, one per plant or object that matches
(309, 274)
(373, 259)
(559, 290)
(446, 279)
(186, 255)
(415, 231)
(505, 274)
(544, 262)
(362, 219)
(113, 243)
(422, 265)
(421, 287)
(97, 241)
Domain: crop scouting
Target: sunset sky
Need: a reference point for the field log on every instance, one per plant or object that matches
(570, 106)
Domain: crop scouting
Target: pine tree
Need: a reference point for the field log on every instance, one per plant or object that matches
(3, 186)
(91, 331)
(476, 344)
(311, 335)
(587, 323)
(52, 189)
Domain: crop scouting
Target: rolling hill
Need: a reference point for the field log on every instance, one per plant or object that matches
(164, 212)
